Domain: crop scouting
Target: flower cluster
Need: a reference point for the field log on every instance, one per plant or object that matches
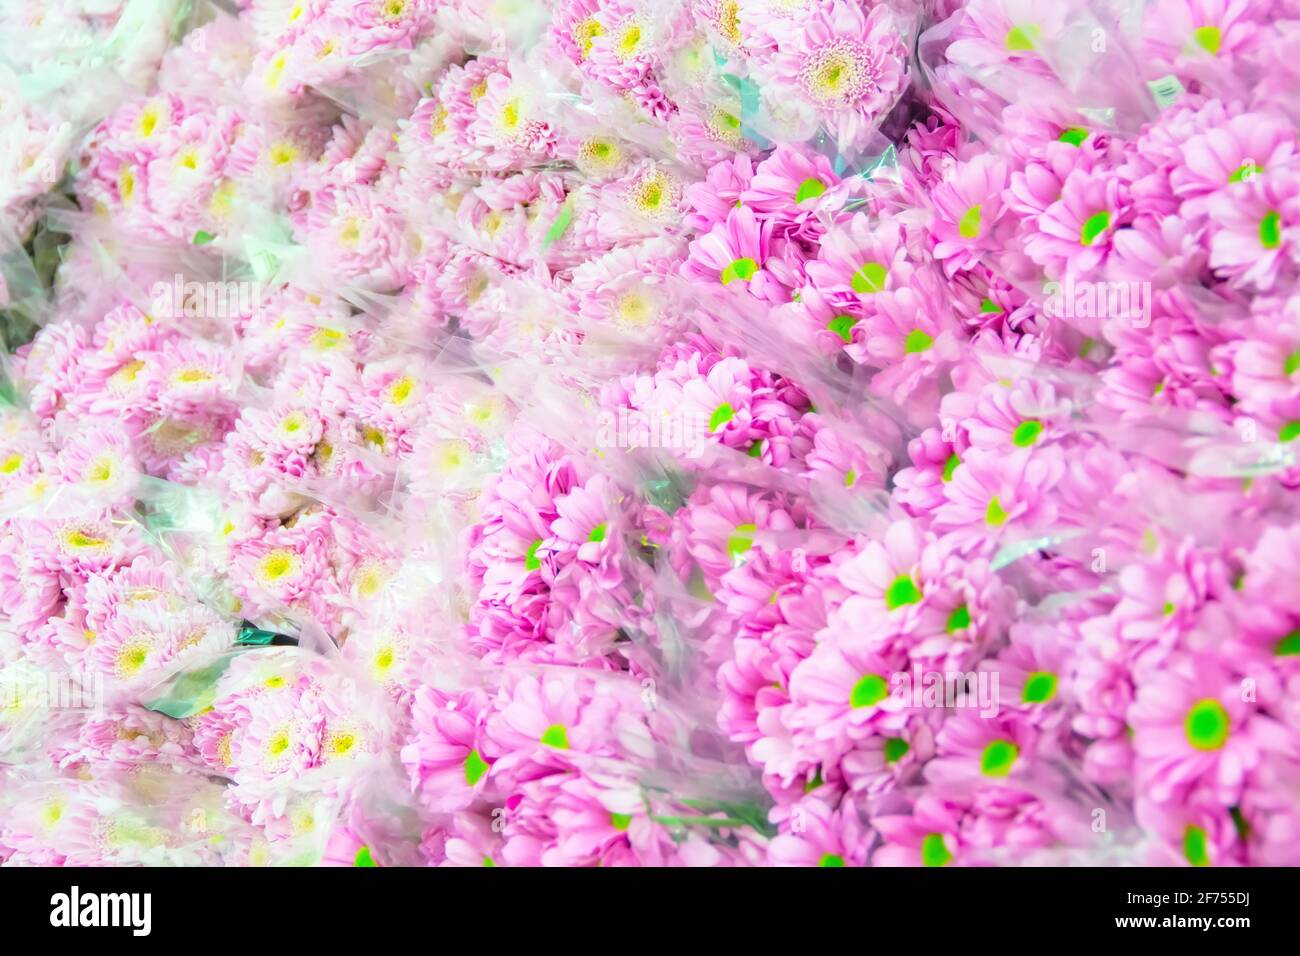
(650, 432)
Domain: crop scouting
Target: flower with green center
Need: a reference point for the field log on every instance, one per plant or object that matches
(870, 278)
(968, 227)
(870, 690)
(741, 541)
(475, 767)
(902, 590)
(363, 858)
(1208, 39)
(842, 325)
(1288, 646)
(815, 782)
(934, 851)
(1040, 687)
(1022, 37)
(1026, 433)
(896, 749)
(917, 341)
(998, 758)
(809, 189)
(597, 533)
(958, 620)
(743, 269)
(989, 307)
(721, 415)
(755, 449)
(1289, 432)
(1245, 172)
(557, 736)
(531, 561)
(995, 516)
(1270, 230)
(620, 821)
(1075, 136)
(1195, 848)
(1208, 725)
(831, 859)
(1093, 227)
(1292, 363)
(950, 466)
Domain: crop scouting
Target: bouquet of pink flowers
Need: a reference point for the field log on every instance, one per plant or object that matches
(650, 432)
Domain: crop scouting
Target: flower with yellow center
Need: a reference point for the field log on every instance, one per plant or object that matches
(132, 657)
(282, 154)
(475, 286)
(342, 742)
(450, 456)
(399, 393)
(294, 424)
(350, 232)
(324, 339)
(838, 74)
(599, 155)
(101, 470)
(83, 539)
(192, 375)
(635, 309)
(655, 195)
(438, 124)
(725, 127)
(279, 746)
(485, 413)
(584, 33)
(126, 184)
(150, 117)
(275, 69)
(511, 116)
(631, 39)
(729, 20)
(278, 566)
(223, 198)
(224, 748)
(370, 579)
(51, 814)
(386, 655)
(10, 464)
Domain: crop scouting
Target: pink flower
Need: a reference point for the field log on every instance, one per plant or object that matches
(735, 253)
(823, 837)
(1193, 729)
(848, 65)
(1254, 238)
